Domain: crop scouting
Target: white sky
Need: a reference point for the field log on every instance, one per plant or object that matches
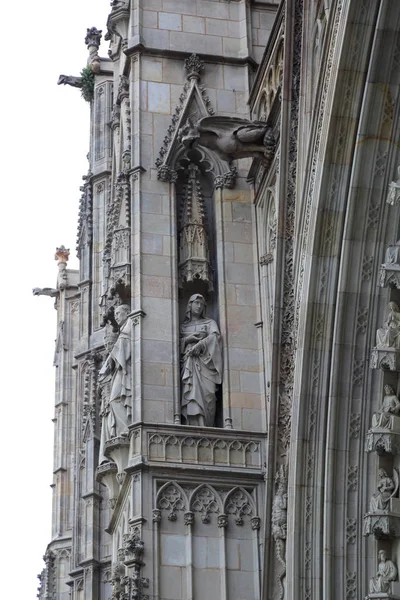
(44, 142)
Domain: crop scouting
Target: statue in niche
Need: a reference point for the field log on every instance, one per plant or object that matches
(389, 335)
(387, 572)
(115, 381)
(230, 137)
(387, 489)
(201, 364)
(392, 255)
(390, 406)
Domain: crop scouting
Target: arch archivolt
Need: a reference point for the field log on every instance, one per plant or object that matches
(344, 227)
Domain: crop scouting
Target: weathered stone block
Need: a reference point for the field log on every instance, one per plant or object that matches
(158, 97)
(172, 21)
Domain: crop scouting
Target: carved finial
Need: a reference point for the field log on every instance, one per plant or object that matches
(92, 41)
(61, 255)
(194, 65)
(93, 37)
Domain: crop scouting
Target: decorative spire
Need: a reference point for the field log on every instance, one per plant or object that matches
(193, 240)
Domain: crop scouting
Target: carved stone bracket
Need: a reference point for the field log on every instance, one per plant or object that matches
(383, 526)
(106, 474)
(166, 174)
(227, 180)
(387, 359)
(383, 441)
(118, 450)
(389, 276)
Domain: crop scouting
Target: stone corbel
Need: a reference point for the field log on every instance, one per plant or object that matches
(117, 449)
(387, 359)
(385, 524)
(389, 276)
(227, 180)
(106, 474)
(383, 441)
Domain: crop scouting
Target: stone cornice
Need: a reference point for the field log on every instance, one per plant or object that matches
(140, 48)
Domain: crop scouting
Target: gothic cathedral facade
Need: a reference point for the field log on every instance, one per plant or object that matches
(227, 414)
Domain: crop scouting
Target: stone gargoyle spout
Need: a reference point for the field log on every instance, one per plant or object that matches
(70, 80)
(230, 137)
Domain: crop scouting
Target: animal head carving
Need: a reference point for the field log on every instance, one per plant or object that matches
(189, 134)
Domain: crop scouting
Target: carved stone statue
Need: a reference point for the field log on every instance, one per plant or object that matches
(115, 383)
(392, 255)
(387, 489)
(279, 507)
(201, 364)
(387, 572)
(389, 335)
(230, 137)
(390, 406)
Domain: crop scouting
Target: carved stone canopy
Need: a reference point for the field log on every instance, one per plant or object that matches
(194, 104)
(193, 239)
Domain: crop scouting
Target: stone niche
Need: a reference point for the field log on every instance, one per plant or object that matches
(383, 519)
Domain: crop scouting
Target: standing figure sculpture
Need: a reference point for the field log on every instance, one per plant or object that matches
(389, 334)
(115, 381)
(390, 406)
(201, 364)
(387, 489)
(387, 572)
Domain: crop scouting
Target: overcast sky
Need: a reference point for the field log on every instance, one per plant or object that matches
(44, 142)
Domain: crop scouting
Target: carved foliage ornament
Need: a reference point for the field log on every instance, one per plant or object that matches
(205, 501)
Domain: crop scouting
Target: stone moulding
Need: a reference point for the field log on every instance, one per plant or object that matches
(382, 441)
(382, 525)
(387, 359)
(383, 596)
(201, 449)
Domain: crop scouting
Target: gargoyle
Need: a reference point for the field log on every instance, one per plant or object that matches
(53, 293)
(230, 137)
(70, 80)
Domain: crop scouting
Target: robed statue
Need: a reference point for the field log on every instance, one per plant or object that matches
(388, 336)
(387, 572)
(387, 488)
(201, 364)
(390, 406)
(115, 381)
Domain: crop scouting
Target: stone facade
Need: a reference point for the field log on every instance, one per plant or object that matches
(227, 356)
